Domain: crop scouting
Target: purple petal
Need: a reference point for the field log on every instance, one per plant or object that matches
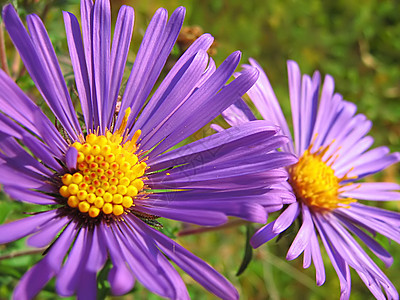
(119, 53)
(87, 288)
(98, 254)
(50, 63)
(263, 97)
(207, 108)
(77, 54)
(199, 217)
(120, 279)
(377, 249)
(295, 94)
(151, 58)
(183, 63)
(35, 67)
(192, 265)
(41, 151)
(143, 261)
(161, 106)
(101, 59)
(263, 235)
(18, 229)
(70, 275)
(202, 106)
(120, 276)
(376, 191)
(234, 115)
(364, 168)
(286, 218)
(317, 259)
(341, 267)
(216, 145)
(71, 158)
(303, 236)
(321, 124)
(87, 22)
(34, 280)
(61, 246)
(246, 208)
(21, 194)
(47, 233)
(308, 109)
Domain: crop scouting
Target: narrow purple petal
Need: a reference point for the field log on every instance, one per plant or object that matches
(202, 43)
(18, 229)
(79, 64)
(219, 144)
(98, 254)
(161, 106)
(70, 275)
(295, 94)
(59, 249)
(376, 191)
(199, 217)
(71, 158)
(47, 233)
(192, 265)
(263, 235)
(119, 53)
(303, 236)
(308, 108)
(34, 280)
(143, 261)
(34, 65)
(188, 120)
(247, 208)
(101, 59)
(317, 259)
(263, 97)
(87, 288)
(50, 63)
(151, 58)
(120, 276)
(341, 267)
(22, 194)
(42, 152)
(21, 108)
(286, 218)
(364, 167)
(373, 245)
(328, 89)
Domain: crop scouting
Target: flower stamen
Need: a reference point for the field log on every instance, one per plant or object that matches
(109, 173)
(314, 181)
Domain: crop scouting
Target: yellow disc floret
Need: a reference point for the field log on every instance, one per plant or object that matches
(108, 174)
(314, 181)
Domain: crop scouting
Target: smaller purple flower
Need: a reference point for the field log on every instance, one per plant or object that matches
(332, 146)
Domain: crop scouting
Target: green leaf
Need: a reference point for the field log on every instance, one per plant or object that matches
(248, 251)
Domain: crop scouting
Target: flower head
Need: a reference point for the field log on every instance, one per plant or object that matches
(109, 177)
(332, 148)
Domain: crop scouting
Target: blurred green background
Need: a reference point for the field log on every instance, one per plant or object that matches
(357, 42)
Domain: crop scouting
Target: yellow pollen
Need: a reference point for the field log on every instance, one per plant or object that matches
(109, 174)
(314, 181)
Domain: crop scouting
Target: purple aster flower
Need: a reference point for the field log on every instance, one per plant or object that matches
(333, 150)
(109, 177)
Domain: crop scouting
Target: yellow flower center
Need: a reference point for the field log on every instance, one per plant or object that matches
(109, 174)
(314, 181)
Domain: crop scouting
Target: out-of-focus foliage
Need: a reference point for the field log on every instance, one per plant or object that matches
(357, 42)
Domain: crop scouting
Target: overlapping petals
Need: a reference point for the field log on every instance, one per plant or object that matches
(232, 173)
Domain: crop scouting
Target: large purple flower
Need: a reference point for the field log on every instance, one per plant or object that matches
(109, 177)
(331, 144)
